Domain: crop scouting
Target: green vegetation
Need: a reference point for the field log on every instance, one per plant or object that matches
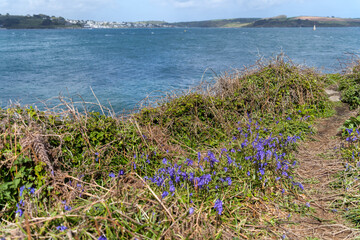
(234, 22)
(305, 22)
(35, 21)
(211, 164)
(347, 202)
(350, 87)
(279, 21)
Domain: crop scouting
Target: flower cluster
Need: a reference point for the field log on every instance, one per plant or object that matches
(352, 135)
(20, 206)
(254, 152)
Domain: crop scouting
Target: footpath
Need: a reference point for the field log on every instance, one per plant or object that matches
(319, 162)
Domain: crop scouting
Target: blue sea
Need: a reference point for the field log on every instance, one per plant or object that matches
(124, 66)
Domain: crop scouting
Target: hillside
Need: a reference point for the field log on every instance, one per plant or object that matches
(306, 21)
(257, 155)
(234, 22)
(34, 22)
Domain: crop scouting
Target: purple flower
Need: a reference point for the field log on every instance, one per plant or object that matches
(22, 190)
(164, 194)
(20, 212)
(67, 208)
(288, 118)
(191, 210)
(228, 179)
(299, 185)
(102, 238)
(189, 162)
(112, 175)
(307, 204)
(121, 172)
(61, 228)
(164, 161)
(218, 206)
(225, 169)
(248, 173)
(32, 190)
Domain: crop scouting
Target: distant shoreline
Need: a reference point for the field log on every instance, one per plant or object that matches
(42, 21)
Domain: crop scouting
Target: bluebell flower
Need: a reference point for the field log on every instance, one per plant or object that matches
(225, 169)
(102, 238)
(248, 173)
(112, 175)
(22, 190)
(288, 118)
(218, 206)
(299, 185)
(121, 172)
(164, 161)
(164, 194)
(228, 179)
(172, 188)
(189, 162)
(61, 228)
(32, 190)
(191, 210)
(20, 212)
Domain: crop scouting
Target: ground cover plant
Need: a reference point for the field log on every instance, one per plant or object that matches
(347, 180)
(212, 164)
(349, 85)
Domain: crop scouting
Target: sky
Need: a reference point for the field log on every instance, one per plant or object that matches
(179, 10)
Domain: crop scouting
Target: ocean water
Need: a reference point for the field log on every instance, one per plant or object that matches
(124, 66)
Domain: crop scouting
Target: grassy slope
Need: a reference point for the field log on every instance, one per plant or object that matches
(305, 22)
(160, 172)
(235, 22)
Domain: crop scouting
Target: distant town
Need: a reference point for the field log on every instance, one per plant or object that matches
(42, 21)
(104, 24)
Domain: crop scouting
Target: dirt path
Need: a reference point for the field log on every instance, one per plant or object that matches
(319, 160)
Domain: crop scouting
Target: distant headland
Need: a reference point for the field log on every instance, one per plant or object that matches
(42, 21)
